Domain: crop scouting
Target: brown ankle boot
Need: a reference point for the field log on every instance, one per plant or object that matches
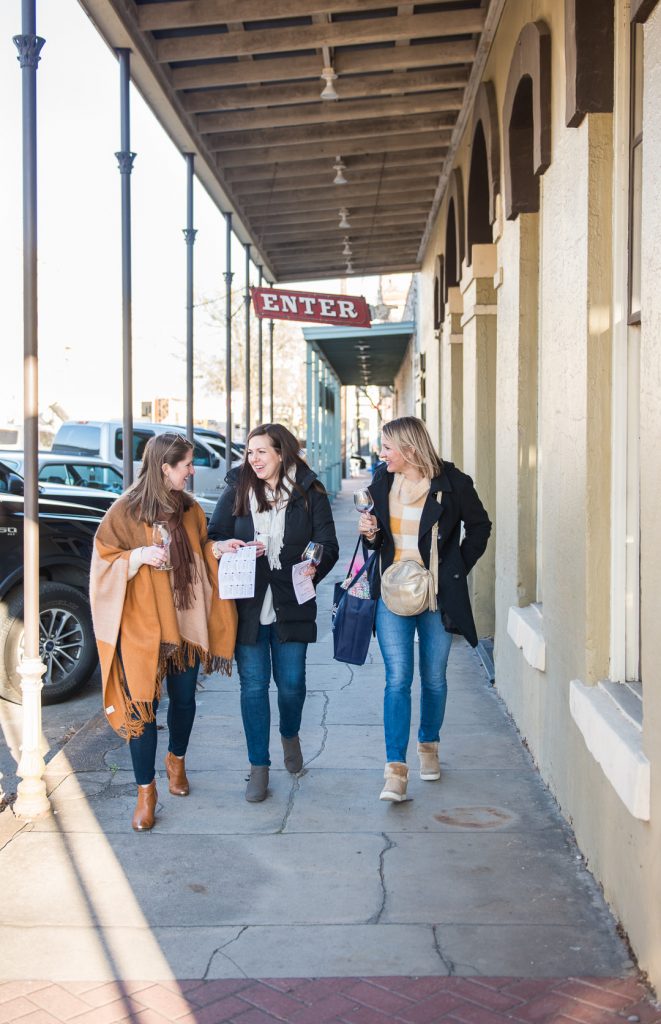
(176, 772)
(145, 809)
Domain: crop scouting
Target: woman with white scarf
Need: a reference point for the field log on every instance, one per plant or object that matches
(276, 502)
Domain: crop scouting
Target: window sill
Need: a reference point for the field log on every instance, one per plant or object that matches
(525, 627)
(606, 718)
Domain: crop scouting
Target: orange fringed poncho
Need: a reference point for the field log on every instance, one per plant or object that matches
(155, 636)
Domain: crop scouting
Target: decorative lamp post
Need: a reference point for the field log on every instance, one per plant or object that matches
(31, 800)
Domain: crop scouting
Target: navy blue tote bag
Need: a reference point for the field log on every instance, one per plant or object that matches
(353, 618)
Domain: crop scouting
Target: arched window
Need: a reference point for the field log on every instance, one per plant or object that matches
(527, 120)
(484, 177)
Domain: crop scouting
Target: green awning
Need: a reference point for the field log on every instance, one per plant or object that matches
(366, 356)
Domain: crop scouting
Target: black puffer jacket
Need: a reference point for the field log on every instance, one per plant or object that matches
(460, 503)
(306, 519)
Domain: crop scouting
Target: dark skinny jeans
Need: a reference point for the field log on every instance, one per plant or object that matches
(181, 715)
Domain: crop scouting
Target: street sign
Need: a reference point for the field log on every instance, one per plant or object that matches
(311, 307)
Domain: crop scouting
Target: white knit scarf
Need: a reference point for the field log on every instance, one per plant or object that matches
(270, 525)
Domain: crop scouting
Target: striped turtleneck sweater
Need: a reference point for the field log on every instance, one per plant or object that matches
(407, 498)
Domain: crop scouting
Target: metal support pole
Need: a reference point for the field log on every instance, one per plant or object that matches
(324, 425)
(247, 352)
(260, 359)
(315, 409)
(31, 801)
(189, 238)
(271, 326)
(125, 158)
(308, 403)
(228, 342)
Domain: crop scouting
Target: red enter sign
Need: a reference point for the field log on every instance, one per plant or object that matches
(282, 304)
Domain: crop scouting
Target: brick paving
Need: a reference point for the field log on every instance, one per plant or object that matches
(397, 1000)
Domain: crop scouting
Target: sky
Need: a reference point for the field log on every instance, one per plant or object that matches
(80, 330)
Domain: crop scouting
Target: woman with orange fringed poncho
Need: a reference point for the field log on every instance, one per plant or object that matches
(151, 624)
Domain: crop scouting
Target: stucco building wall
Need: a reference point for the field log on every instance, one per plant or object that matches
(558, 323)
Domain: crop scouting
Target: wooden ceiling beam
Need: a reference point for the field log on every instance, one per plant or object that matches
(338, 134)
(351, 87)
(348, 62)
(362, 206)
(403, 217)
(327, 252)
(314, 37)
(196, 13)
(269, 233)
(267, 173)
(330, 113)
(330, 200)
(367, 201)
(324, 275)
(351, 147)
(330, 234)
(423, 176)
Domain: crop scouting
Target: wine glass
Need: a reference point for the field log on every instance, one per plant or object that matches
(313, 553)
(161, 538)
(363, 501)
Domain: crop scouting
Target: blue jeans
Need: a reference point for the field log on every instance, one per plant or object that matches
(254, 664)
(395, 634)
(181, 715)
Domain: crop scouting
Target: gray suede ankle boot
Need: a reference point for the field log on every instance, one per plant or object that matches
(258, 783)
(293, 756)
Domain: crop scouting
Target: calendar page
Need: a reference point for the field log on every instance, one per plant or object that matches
(236, 574)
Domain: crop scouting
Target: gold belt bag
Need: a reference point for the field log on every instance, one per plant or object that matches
(407, 588)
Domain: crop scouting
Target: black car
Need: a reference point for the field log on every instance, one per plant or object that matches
(67, 645)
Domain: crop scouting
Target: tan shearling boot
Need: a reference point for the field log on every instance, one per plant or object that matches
(430, 766)
(396, 775)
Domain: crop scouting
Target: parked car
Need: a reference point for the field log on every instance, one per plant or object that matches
(216, 440)
(60, 476)
(60, 491)
(104, 440)
(66, 536)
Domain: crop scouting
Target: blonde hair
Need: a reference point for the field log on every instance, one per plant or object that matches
(149, 498)
(411, 437)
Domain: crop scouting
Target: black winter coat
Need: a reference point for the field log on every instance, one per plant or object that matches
(305, 520)
(460, 503)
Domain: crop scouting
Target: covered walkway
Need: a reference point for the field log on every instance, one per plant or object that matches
(477, 877)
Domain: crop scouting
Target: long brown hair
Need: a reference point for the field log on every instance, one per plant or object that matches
(149, 498)
(287, 447)
(411, 437)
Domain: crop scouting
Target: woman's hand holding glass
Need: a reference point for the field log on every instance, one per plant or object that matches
(368, 525)
(155, 555)
(313, 553)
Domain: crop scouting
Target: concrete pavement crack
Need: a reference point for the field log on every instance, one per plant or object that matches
(351, 676)
(220, 949)
(450, 964)
(389, 845)
(295, 785)
(324, 728)
(445, 960)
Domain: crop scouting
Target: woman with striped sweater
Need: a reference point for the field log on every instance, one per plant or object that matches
(412, 491)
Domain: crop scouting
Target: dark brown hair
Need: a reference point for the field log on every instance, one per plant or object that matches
(150, 498)
(287, 446)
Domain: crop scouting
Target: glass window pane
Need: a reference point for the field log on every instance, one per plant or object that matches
(201, 455)
(54, 473)
(103, 478)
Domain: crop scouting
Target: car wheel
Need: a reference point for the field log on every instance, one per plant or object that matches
(66, 642)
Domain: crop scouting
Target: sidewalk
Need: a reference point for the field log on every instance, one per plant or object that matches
(469, 903)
